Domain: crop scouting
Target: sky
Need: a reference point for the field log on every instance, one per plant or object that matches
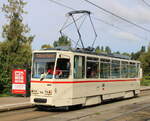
(46, 18)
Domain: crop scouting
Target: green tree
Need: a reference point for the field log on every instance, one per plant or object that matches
(97, 50)
(126, 54)
(16, 49)
(117, 52)
(62, 41)
(145, 62)
(135, 56)
(102, 49)
(107, 49)
(143, 49)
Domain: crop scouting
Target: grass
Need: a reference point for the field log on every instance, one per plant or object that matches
(98, 113)
(4, 95)
(145, 81)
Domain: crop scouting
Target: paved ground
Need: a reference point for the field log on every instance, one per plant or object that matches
(11, 103)
(12, 100)
(135, 109)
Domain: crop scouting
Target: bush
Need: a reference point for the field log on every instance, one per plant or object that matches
(145, 81)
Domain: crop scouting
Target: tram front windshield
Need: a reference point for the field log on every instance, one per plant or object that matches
(43, 65)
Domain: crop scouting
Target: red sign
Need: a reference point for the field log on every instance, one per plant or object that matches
(19, 81)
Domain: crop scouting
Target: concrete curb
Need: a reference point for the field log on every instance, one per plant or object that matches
(145, 88)
(17, 106)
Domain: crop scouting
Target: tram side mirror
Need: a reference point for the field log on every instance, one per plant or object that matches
(42, 77)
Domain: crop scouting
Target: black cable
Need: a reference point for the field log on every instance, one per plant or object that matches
(112, 25)
(146, 3)
(62, 5)
(138, 26)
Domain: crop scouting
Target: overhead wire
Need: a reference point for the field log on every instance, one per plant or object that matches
(78, 28)
(58, 3)
(122, 18)
(103, 21)
(114, 26)
(146, 3)
(70, 8)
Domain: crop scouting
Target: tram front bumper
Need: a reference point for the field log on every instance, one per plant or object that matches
(50, 101)
(41, 100)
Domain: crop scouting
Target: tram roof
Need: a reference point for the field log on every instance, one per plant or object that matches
(89, 51)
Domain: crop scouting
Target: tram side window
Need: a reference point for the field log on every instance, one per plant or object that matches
(104, 68)
(115, 69)
(132, 70)
(79, 67)
(63, 67)
(124, 69)
(92, 68)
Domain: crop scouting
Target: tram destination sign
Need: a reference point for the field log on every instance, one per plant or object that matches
(45, 55)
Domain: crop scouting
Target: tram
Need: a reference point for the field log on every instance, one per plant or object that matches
(84, 78)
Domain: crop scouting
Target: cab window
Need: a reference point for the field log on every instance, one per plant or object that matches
(62, 69)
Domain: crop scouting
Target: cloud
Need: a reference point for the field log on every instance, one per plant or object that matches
(126, 36)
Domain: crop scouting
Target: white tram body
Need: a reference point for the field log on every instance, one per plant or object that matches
(86, 79)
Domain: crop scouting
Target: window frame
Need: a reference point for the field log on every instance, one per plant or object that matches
(83, 67)
(90, 59)
(119, 71)
(106, 61)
